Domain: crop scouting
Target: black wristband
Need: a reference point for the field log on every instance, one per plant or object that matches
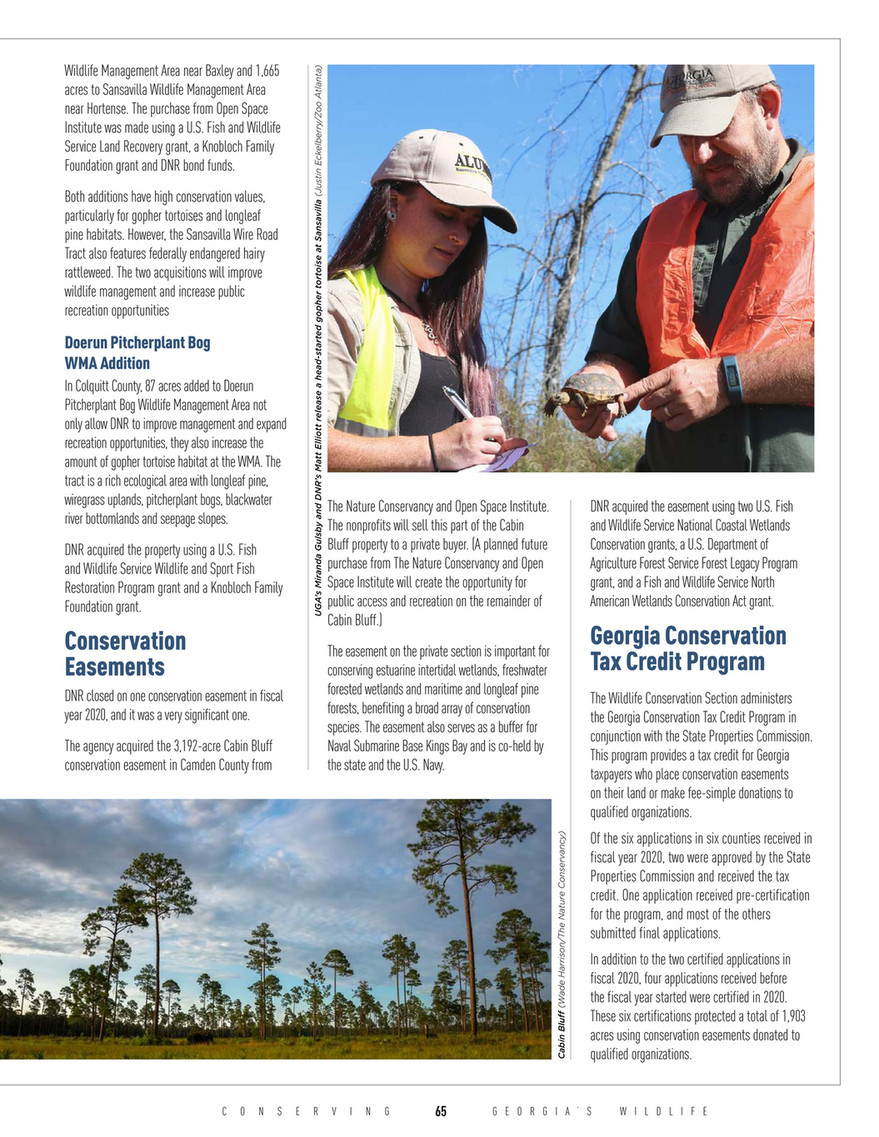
(733, 379)
(433, 453)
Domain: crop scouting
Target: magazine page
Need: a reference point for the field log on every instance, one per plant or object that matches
(257, 288)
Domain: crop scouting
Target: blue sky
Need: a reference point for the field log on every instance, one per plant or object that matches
(518, 115)
(323, 874)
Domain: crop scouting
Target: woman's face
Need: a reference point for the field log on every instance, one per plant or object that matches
(428, 236)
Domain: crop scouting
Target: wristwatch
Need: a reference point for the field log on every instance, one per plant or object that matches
(733, 379)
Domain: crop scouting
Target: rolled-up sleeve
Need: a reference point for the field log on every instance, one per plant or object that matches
(343, 342)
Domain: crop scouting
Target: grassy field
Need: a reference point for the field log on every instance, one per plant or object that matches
(489, 1045)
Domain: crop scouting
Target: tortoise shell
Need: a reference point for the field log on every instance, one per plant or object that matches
(594, 389)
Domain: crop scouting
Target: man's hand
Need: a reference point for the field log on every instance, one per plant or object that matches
(597, 422)
(687, 392)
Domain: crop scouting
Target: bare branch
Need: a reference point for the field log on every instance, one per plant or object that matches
(561, 315)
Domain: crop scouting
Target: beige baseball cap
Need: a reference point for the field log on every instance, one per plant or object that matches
(449, 166)
(701, 98)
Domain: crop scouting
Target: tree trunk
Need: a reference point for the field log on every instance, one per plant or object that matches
(115, 1003)
(106, 1000)
(156, 1003)
(263, 1002)
(522, 988)
(538, 1017)
(471, 955)
(552, 367)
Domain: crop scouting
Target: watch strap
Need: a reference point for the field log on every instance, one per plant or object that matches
(733, 379)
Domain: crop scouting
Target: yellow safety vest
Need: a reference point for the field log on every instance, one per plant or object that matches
(369, 402)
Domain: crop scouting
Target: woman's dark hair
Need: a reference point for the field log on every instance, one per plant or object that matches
(452, 303)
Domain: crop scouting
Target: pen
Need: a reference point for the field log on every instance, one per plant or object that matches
(457, 402)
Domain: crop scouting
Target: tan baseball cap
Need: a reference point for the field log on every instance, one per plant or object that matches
(449, 166)
(701, 98)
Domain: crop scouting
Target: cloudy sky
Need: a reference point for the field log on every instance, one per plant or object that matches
(323, 874)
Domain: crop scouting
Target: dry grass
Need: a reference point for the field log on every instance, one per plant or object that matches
(558, 448)
(491, 1044)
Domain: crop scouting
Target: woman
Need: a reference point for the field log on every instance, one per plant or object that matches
(404, 302)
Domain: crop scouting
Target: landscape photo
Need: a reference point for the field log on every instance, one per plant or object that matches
(214, 929)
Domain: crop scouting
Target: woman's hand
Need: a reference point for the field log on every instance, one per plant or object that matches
(473, 442)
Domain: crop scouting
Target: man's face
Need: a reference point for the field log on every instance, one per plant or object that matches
(734, 166)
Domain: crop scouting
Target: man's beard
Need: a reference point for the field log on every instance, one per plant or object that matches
(756, 172)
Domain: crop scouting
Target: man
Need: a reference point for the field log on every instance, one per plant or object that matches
(713, 321)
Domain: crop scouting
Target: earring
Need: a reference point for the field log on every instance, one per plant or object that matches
(392, 215)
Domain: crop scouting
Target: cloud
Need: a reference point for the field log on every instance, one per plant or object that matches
(323, 873)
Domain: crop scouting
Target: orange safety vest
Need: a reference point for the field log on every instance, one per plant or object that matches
(773, 301)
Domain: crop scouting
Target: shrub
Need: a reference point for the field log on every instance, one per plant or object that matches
(556, 447)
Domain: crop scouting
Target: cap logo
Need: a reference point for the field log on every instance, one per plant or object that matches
(473, 164)
(690, 80)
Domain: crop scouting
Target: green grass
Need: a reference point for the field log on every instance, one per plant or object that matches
(491, 1044)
